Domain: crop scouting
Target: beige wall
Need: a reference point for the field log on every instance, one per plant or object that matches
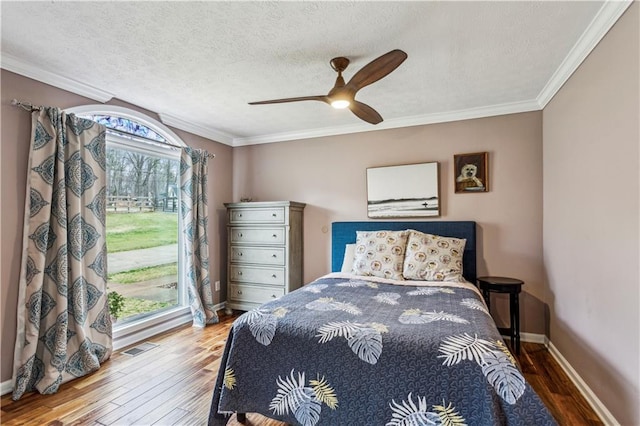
(591, 233)
(329, 174)
(14, 149)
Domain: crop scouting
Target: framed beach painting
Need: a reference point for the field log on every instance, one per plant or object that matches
(410, 190)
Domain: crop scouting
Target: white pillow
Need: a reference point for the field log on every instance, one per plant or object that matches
(433, 258)
(380, 254)
(347, 262)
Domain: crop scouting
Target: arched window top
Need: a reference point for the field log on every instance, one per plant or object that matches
(129, 123)
(126, 125)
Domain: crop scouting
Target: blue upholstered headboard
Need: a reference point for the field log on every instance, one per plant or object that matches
(343, 233)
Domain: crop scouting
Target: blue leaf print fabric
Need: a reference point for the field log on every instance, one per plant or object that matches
(345, 350)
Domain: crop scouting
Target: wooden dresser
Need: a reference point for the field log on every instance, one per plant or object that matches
(264, 252)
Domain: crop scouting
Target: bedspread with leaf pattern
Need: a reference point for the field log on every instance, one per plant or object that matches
(345, 350)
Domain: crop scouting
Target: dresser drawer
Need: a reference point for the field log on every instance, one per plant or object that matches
(266, 215)
(262, 255)
(248, 293)
(258, 235)
(256, 274)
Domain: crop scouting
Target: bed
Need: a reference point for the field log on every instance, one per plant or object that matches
(400, 339)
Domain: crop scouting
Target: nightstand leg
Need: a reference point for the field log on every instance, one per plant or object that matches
(487, 299)
(515, 322)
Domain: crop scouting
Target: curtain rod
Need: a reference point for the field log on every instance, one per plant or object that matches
(27, 106)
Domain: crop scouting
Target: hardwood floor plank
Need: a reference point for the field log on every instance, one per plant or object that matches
(173, 384)
(197, 408)
(192, 368)
(173, 418)
(91, 416)
(28, 417)
(87, 405)
(155, 416)
(143, 387)
(178, 395)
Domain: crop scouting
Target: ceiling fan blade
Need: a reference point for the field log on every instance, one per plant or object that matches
(365, 112)
(376, 69)
(322, 98)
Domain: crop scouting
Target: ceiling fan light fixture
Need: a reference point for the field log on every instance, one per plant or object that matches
(340, 103)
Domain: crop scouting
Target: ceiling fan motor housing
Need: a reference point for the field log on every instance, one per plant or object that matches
(339, 64)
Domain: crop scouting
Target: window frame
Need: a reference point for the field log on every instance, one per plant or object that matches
(128, 333)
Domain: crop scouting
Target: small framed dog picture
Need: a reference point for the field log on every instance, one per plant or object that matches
(471, 172)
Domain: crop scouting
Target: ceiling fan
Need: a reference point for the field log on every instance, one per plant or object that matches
(343, 95)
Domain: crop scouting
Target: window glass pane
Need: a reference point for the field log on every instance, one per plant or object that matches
(142, 231)
(126, 125)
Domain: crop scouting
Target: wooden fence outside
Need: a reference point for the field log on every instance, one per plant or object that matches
(129, 204)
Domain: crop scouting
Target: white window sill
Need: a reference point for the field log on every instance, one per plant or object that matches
(130, 333)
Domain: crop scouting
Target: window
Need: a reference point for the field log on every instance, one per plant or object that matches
(144, 260)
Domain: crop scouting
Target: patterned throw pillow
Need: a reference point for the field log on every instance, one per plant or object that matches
(380, 254)
(433, 258)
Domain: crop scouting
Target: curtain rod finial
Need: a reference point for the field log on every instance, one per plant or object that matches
(25, 105)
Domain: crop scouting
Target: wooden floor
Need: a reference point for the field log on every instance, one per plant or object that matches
(172, 385)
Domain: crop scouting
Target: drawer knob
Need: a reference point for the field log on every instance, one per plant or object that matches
(274, 296)
(239, 291)
(273, 255)
(239, 272)
(274, 215)
(240, 215)
(240, 235)
(274, 236)
(273, 276)
(240, 254)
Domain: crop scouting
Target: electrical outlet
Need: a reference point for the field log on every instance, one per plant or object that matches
(217, 286)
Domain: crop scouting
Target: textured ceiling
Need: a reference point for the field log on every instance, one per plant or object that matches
(199, 63)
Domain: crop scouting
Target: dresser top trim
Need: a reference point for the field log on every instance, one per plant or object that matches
(263, 204)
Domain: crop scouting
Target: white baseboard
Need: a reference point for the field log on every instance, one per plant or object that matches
(595, 403)
(541, 339)
(6, 387)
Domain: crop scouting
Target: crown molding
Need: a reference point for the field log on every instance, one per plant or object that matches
(11, 63)
(394, 123)
(606, 17)
(304, 134)
(197, 129)
(466, 114)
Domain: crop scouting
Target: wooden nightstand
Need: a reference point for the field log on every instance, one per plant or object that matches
(513, 287)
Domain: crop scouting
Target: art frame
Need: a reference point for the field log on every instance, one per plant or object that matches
(410, 190)
(471, 173)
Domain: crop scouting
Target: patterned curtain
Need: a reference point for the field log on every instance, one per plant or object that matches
(64, 327)
(194, 211)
